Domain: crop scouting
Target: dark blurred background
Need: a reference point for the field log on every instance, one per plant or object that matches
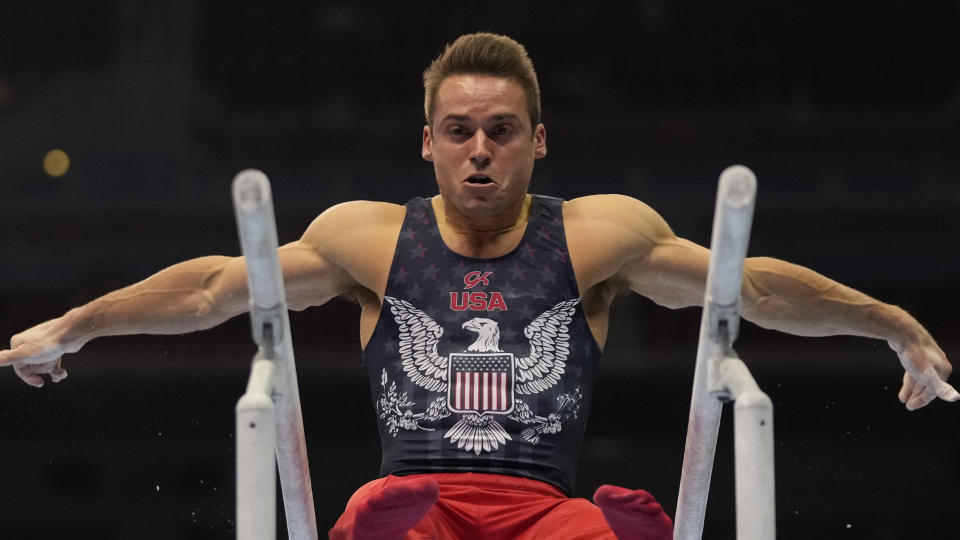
(850, 116)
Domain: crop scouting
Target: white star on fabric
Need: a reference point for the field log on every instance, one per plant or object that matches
(401, 275)
(539, 292)
(548, 275)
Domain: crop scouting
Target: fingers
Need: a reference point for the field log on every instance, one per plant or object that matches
(32, 373)
(930, 386)
(947, 392)
(28, 352)
(922, 399)
(925, 379)
(909, 385)
(25, 372)
(942, 389)
(58, 374)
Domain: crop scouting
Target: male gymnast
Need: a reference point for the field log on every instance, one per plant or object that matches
(484, 313)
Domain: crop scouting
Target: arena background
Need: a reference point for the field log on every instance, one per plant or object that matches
(850, 116)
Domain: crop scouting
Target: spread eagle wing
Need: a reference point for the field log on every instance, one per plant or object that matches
(419, 335)
(549, 348)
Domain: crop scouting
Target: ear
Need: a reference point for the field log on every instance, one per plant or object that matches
(427, 149)
(540, 141)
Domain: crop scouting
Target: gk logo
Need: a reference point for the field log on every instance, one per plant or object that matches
(476, 301)
(476, 277)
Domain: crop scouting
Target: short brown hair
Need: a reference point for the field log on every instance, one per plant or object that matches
(487, 54)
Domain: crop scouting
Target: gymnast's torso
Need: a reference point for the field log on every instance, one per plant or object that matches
(482, 364)
(427, 297)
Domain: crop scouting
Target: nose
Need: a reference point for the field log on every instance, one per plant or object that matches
(480, 153)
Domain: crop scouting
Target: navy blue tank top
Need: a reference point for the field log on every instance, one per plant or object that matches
(482, 365)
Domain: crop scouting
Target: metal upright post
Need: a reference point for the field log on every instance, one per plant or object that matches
(253, 205)
(753, 452)
(719, 327)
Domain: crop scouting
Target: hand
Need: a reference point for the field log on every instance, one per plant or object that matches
(37, 352)
(926, 374)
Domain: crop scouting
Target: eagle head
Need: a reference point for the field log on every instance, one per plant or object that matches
(489, 338)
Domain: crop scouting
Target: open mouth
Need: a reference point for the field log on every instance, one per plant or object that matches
(479, 179)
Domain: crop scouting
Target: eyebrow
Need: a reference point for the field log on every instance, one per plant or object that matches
(455, 117)
(495, 118)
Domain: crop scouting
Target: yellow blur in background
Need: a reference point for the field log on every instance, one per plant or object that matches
(56, 163)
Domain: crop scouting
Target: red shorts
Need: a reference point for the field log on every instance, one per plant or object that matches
(492, 506)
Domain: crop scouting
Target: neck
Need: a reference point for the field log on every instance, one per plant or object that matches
(481, 234)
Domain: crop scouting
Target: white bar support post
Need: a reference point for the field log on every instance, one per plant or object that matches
(753, 452)
(719, 326)
(256, 469)
(253, 205)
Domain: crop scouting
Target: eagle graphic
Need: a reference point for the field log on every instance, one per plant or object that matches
(540, 370)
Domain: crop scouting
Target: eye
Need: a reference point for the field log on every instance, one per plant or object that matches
(458, 132)
(501, 131)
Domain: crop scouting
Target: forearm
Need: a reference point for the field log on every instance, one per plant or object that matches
(790, 298)
(189, 296)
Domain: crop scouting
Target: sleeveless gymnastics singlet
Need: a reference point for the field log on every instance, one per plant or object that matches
(482, 365)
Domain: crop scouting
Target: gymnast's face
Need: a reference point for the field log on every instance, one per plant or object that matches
(482, 145)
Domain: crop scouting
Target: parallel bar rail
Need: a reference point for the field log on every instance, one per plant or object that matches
(274, 376)
(718, 377)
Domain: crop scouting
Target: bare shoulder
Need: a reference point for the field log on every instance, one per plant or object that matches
(627, 218)
(605, 231)
(351, 221)
(358, 236)
(347, 215)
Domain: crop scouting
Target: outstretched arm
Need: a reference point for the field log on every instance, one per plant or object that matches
(794, 299)
(781, 296)
(189, 296)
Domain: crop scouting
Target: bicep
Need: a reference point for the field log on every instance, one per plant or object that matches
(310, 278)
(341, 251)
(669, 270)
(673, 273)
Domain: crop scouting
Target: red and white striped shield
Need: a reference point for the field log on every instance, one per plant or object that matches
(480, 383)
